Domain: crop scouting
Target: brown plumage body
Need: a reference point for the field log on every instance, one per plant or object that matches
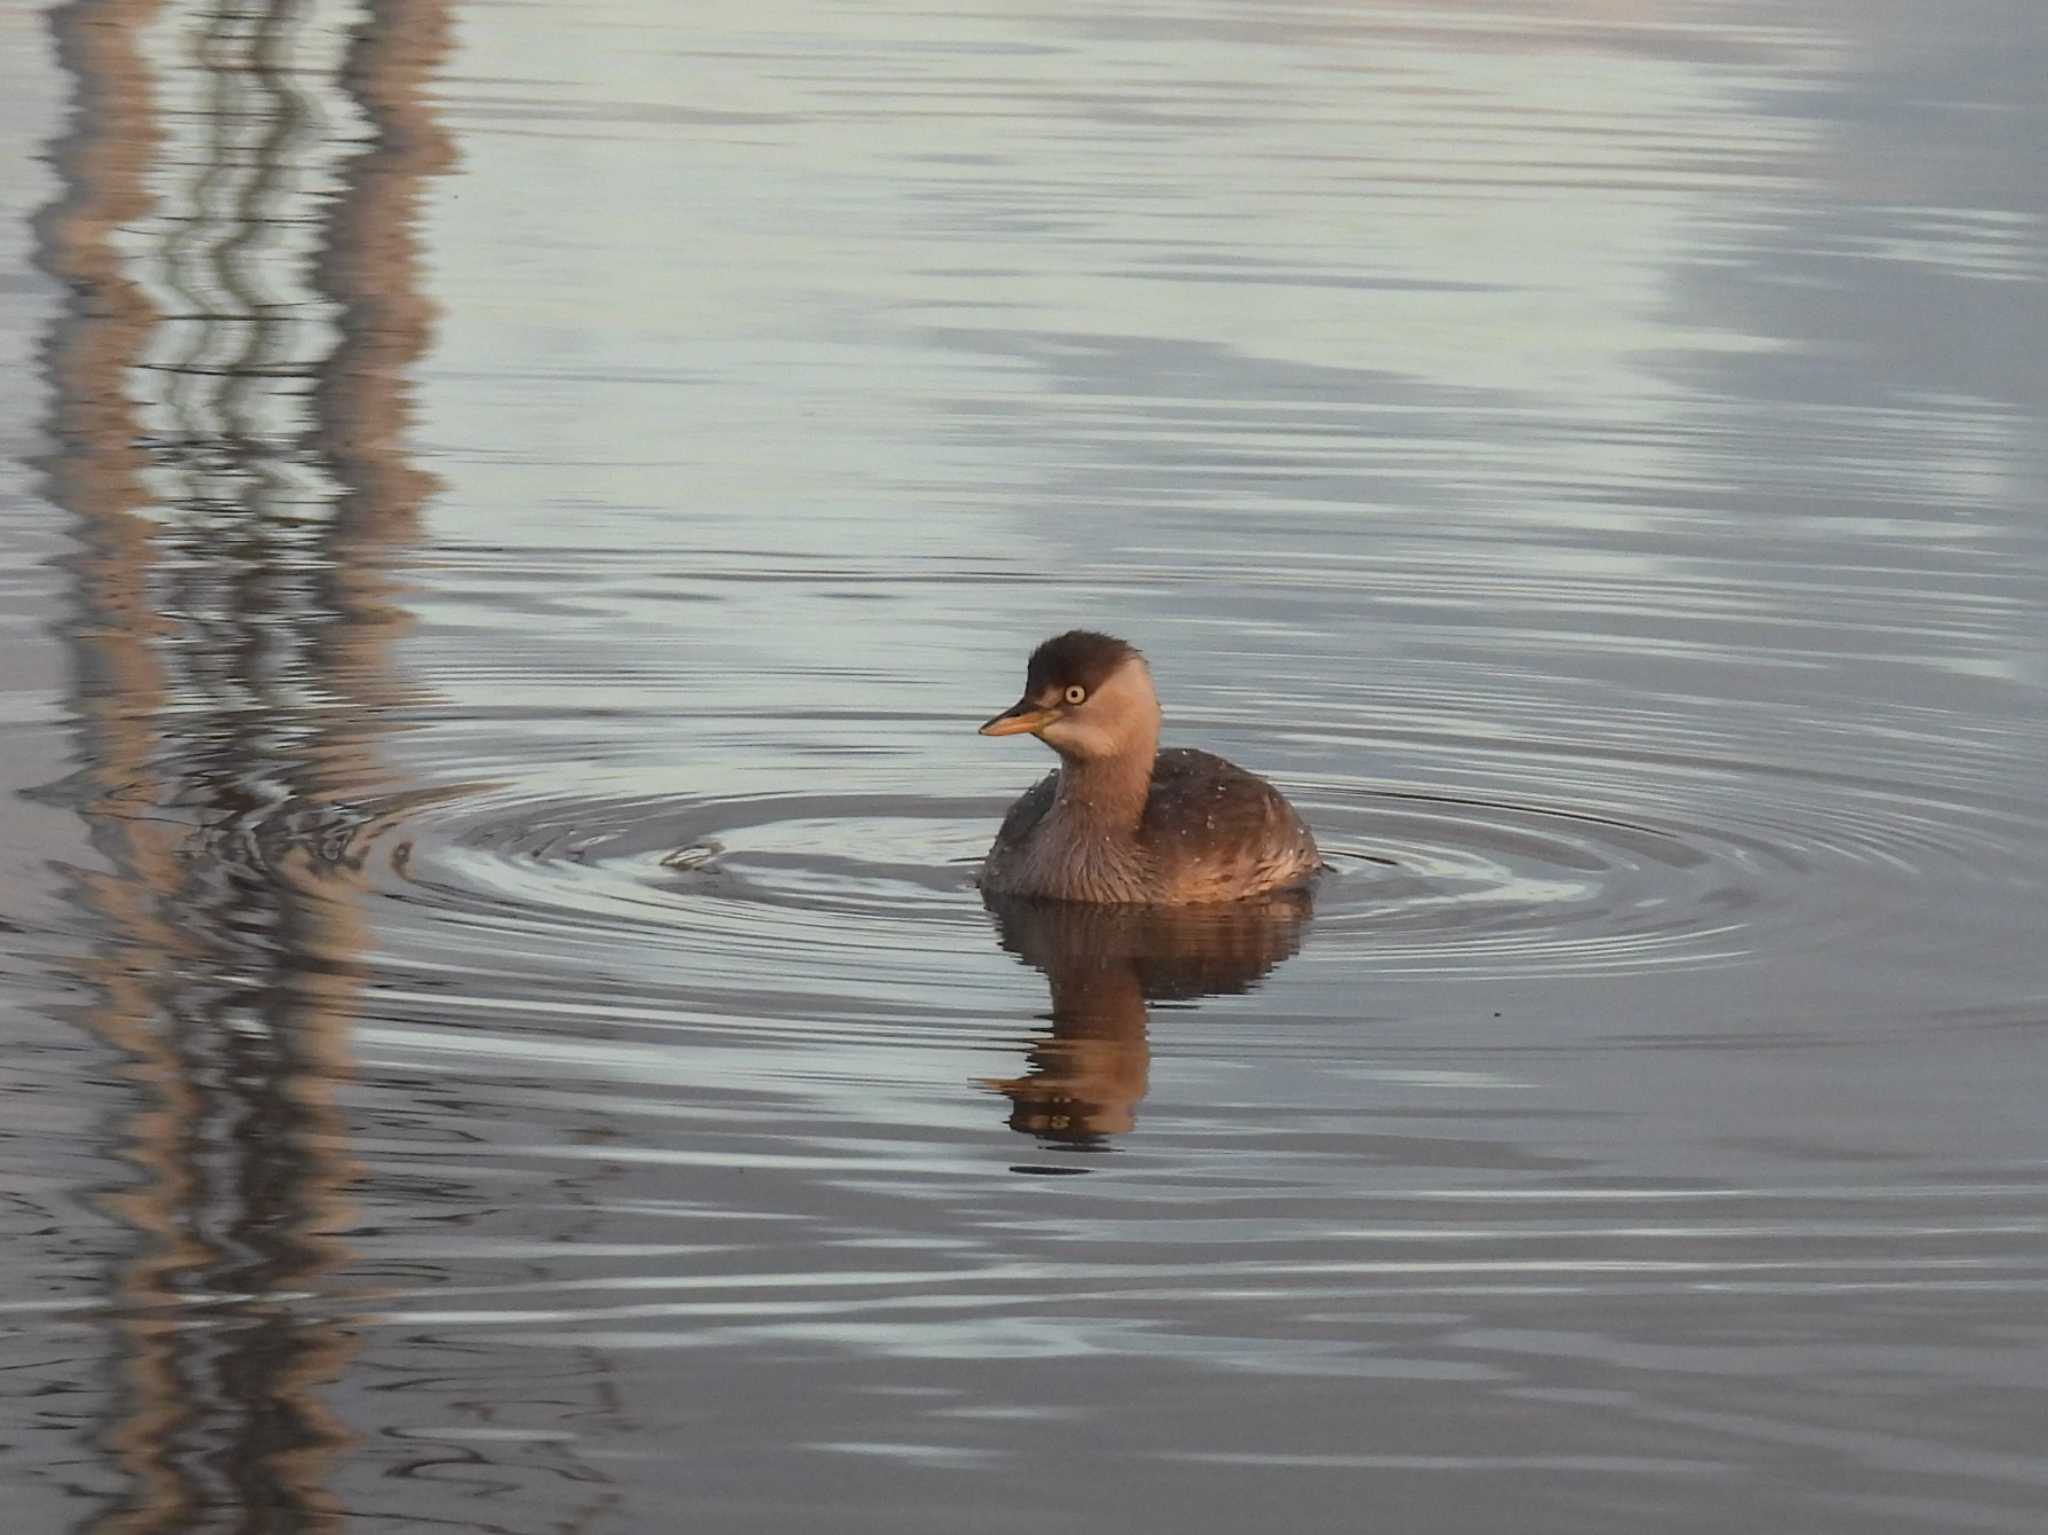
(1121, 821)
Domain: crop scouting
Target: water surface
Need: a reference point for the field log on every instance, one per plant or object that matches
(461, 455)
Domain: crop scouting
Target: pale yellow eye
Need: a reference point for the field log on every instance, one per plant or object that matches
(1077, 694)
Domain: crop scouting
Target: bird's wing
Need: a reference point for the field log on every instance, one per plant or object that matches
(1207, 820)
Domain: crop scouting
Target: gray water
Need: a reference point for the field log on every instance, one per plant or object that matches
(1591, 456)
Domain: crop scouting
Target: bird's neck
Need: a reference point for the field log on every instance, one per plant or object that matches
(1108, 792)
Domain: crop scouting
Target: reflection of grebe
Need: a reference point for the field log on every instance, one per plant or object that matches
(1120, 820)
(1103, 964)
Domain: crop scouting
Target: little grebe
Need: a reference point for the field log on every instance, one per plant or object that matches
(1120, 820)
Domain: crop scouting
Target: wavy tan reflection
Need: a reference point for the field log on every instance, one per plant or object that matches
(232, 632)
(1104, 965)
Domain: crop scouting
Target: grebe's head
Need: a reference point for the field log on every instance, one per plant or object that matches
(1088, 696)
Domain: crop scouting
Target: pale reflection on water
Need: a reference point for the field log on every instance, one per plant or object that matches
(1590, 456)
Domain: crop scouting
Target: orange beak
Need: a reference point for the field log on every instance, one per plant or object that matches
(1021, 718)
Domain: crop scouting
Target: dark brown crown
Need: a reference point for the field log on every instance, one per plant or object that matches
(1078, 656)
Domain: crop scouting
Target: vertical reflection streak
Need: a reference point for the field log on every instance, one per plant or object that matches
(232, 636)
(101, 159)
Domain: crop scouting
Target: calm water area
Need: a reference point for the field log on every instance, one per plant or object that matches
(510, 515)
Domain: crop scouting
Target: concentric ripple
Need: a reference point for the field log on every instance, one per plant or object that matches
(1626, 870)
